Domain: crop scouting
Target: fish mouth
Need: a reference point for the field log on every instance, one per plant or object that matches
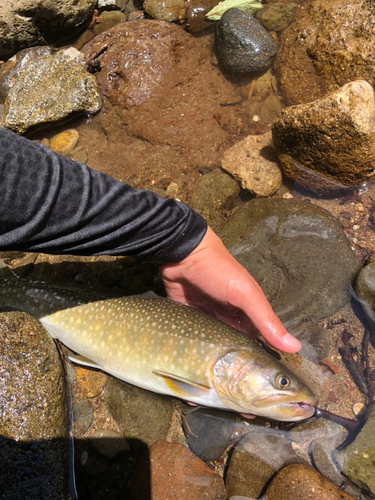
(287, 407)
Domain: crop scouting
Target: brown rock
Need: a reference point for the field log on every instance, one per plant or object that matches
(169, 471)
(302, 482)
(329, 44)
(91, 382)
(333, 136)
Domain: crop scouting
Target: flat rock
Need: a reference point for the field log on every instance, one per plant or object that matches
(328, 45)
(33, 425)
(49, 89)
(253, 163)
(170, 471)
(302, 482)
(242, 43)
(333, 136)
(291, 248)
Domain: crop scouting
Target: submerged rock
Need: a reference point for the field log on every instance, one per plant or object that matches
(196, 11)
(33, 425)
(333, 136)
(65, 141)
(242, 43)
(168, 10)
(277, 16)
(357, 460)
(253, 163)
(365, 285)
(296, 251)
(50, 88)
(328, 45)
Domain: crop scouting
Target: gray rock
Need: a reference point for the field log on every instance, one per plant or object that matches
(315, 340)
(253, 163)
(333, 136)
(291, 249)
(214, 196)
(142, 416)
(365, 285)
(26, 23)
(208, 432)
(33, 425)
(243, 44)
(357, 460)
(277, 16)
(83, 414)
(49, 89)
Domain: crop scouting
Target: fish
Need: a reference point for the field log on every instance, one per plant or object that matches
(164, 346)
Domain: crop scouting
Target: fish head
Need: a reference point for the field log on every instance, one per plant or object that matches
(257, 383)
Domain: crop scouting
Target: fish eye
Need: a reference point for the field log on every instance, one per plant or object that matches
(282, 381)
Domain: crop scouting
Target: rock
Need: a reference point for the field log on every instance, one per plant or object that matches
(277, 16)
(33, 425)
(142, 416)
(168, 10)
(196, 11)
(357, 460)
(331, 44)
(109, 443)
(271, 107)
(282, 243)
(119, 4)
(170, 471)
(10, 70)
(91, 382)
(214, 196)
(332, 136)
(65, 141)
(49, 89)
(242, 43)
(208, 432)
(265, 85)
(301, 482)
(108, 19)
(26, 23)
(255, 460)
(315, 340)
(83, 414)
(365, 287)
(253, 163)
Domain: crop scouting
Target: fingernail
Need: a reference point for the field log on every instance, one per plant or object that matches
(291, 341)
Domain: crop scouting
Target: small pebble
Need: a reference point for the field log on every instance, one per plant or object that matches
(358, 408)
(64, 142)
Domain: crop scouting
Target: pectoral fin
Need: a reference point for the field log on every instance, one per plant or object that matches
(82, 361)
(182, 387)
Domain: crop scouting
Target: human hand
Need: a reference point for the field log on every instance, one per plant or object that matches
(213, 281)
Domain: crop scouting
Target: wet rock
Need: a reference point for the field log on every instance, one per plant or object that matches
(83, 414)
(10, 70)
(301, 482)
(26, 23)
(265, 85)
(315, 340)
(109, 443)
(49, 89)
(253, 163)
(271, 107)
(208, 432)
(33, 425)
(357, 460)
(196, 11)
(91, 382)
(242, 43)
(119, 4)
(332, 136)
(142, 416)
(108, 19)
(64, 142)
(282, 243)
(168, 10)
(277, 16)
(365, 286)
(214, 196)
(331, 43)
(255, 460)
(170, 470)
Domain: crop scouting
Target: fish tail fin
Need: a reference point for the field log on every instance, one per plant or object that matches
(4, 269)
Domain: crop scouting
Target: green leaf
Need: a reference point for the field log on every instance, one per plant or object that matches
(249, 6)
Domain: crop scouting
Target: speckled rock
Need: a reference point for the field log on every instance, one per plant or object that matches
(49, 89)
(26, 23)
(33, 425)
(143, 416)
(277, 16)
(329, 44)
(170, 471)
(358, 459)
(253, 163)
(333, 136)
(214, 196)
(242, 43)
(282, 243)
(168, 10)
(302, 482)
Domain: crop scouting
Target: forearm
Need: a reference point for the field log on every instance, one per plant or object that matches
(51, 204)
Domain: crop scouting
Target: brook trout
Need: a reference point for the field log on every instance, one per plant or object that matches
(165, 347)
